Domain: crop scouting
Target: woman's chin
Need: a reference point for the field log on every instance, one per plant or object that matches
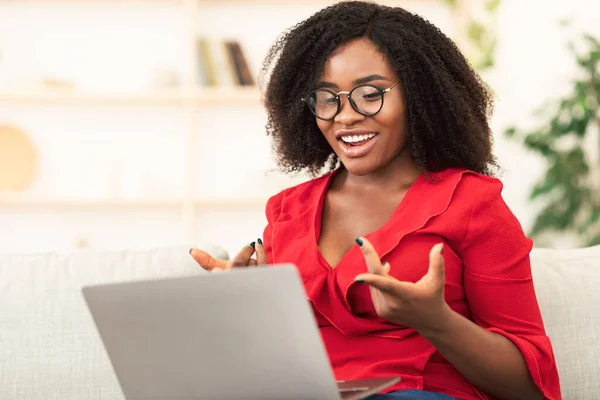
(360, 166)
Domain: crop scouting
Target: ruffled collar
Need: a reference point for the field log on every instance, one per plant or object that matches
(327, 287)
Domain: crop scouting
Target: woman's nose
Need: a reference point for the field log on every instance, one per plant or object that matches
(347, 115)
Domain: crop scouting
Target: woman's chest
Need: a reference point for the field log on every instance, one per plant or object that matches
(409, 262)
(343, 221)
(407, 254)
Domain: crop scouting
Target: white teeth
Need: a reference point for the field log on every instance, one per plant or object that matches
(357, 138)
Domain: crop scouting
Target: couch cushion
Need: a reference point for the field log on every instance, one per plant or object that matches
(50, 349)
(567, 284)
(49, 345)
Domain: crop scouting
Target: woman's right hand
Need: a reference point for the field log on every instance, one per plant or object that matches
(242, 259)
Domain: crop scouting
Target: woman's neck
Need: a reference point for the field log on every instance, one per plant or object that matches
(398, 175)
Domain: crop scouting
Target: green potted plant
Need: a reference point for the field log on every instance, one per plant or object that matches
(568, 139)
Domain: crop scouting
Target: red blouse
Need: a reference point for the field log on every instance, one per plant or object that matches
(488, 279)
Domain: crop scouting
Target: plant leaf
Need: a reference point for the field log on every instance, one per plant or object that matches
(510, 132)
(594, 241)
(550, 219)
(565, 22)
(492, 5)
(592, 219)
(540, 142)
(475, 31)
(541, 188)
(592, 40)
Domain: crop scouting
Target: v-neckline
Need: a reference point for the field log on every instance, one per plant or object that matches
(318, 219)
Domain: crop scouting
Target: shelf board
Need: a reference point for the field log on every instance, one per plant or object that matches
(322, 3)
(227, 95)
(11, 200)
(201, 97)
(83, 202)
(230, 203)
(104, 1)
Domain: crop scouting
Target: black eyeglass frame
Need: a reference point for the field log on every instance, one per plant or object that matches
(338, 101)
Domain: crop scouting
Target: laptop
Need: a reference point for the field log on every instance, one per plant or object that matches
(243, 334)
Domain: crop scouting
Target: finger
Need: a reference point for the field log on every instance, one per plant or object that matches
(436, 274)
(206, 261)
(242, 258)
(385, 284)
(386, 268)
(252, 262)
(261, 253)
(371, 256)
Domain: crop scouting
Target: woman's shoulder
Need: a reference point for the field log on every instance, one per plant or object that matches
(299, 197)
(462, 204)
(453, 194)
(464, 185)
(467, 196)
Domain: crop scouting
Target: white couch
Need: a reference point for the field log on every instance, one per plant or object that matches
(50, 350)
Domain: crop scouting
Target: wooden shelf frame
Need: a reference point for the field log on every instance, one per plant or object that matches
(79, 203)
(200, 97)
(189, 97)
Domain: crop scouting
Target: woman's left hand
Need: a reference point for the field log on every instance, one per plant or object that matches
(421, 305)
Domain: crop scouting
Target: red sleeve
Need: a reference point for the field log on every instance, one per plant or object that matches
(273, 210)
(499, 285)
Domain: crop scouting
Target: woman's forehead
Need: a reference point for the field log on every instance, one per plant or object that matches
(355, 60)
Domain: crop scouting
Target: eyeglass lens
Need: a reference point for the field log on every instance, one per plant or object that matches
(366, 99)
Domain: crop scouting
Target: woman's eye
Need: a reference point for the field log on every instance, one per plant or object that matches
(371, 96)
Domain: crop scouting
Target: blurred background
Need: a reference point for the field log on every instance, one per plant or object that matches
(134, 124)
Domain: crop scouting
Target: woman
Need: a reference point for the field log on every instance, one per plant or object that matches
(389, 104)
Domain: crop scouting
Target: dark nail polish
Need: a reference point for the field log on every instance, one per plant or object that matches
(191, 250)
(359, 241)
(252, 244)
(441, 248)
(359, 281)
(259, 242)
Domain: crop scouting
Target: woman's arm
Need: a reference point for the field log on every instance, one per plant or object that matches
(488, 360)
(504, 350)
(501, 295)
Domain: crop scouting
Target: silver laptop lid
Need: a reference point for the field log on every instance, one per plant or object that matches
(247, 333)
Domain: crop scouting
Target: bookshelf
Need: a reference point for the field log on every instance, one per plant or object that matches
(194, 96)
(201, 112)
(90, 203)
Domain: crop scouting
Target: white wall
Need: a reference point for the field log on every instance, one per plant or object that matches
(108, 47)
(115, 46)
(533, 67)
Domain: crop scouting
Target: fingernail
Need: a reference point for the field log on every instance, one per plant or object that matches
(359, 241)
(191, 250)
(259, 242)
(359, 281)
(441, 248)
(253, 245)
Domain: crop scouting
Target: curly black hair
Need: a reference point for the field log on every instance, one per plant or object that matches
(447, 104)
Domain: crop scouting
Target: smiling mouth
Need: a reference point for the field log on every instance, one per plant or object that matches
(357, 140)
(359, 145)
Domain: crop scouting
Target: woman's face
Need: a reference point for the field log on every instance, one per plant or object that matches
(364, 144)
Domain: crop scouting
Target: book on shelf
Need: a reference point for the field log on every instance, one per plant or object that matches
(239, 62)
(206, 64)
(222, 62)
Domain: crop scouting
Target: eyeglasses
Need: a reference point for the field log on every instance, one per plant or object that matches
(365, 99)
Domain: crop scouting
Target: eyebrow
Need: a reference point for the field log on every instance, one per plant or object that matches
(366, 79)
